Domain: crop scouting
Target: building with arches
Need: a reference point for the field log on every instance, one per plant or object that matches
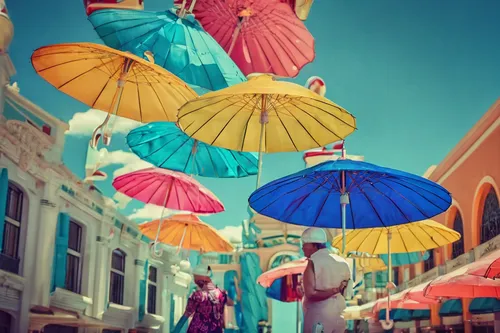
(471, 172)
(69, 261)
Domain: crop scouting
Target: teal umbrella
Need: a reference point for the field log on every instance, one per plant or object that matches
(164, 145)
(178, 44)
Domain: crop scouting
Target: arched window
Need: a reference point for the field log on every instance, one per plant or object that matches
(429, 263)
(5, 322)
(490, 226)
(117, 281)
(457, 248)
(9, 255)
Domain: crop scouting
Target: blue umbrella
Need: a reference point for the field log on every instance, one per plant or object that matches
(179, 44)
(164, 145)
(376, 196)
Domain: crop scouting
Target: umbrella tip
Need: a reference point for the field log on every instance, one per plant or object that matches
(149, 56)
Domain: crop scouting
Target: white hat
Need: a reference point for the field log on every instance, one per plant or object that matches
(314, 235)
(202, 270)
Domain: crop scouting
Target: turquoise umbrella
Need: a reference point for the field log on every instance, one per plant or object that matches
(178, 44)
(401, 259)
(164, 145)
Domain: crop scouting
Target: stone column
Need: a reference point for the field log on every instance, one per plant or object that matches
(49, 211)
(102, 274)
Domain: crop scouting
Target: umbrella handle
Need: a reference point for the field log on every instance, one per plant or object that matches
(155, 253)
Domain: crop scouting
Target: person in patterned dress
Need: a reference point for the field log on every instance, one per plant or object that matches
(206, 305)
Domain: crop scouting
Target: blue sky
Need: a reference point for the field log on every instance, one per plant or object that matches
(416, 74)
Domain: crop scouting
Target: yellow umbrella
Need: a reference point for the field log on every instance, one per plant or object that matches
(187, 231)
(404, 238)
(265, 115)
(116, 82)
(369, 263)
(411, 237)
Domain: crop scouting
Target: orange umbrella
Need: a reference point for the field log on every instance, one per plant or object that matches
(187, 231)
(116, 82)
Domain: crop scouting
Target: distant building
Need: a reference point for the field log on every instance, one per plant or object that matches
(69, 262)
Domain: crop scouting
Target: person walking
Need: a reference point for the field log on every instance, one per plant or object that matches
(206, 305)
(326, 280)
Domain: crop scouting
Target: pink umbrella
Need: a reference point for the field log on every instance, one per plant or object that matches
(168, 189)
(298, 266)
(488, 266)
(261, 36)
(461, 284)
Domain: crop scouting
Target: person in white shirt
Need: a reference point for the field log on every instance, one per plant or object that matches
(325, 282)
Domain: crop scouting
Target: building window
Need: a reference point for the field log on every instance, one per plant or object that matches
(490, 226)
(152, 287)
(9, 258)
(5, 322)
(60, 329)
(396, 275)
(117, 281)
(429, 263)
(74, 259)
(457, 248)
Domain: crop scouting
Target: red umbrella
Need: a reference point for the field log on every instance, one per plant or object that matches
(466, 282)
(416, 294)
(488, 266)
(168, 189)
(261, 36)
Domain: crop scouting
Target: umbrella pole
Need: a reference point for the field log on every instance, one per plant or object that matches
(389, 275)
(298, 317)
(263, 121)
(115, 104)
(182, 238)
(235, 36)
(154, 252)
(344, 201)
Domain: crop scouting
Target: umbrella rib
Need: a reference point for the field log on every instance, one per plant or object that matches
(291, 191)
(139, 94)
(304, 197)
(389, 198)
(104, 87)
(423, 189)
(203, 65)
(212, 162)
(156, 94)
(256, 100)
(325, 111)
(77, 76)
(286, 129)
(409, 201)
(373, 207)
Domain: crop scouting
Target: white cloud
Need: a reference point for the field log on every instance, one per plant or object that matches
(232, 233)
(84, 123)
(129, 162)
(152, 212)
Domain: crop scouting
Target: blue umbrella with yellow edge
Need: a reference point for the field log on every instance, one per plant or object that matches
(178, 44)
(164, 145)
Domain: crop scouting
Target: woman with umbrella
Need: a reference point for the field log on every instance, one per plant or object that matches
(206, 305)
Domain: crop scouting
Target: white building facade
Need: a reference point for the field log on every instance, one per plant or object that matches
(69, 262)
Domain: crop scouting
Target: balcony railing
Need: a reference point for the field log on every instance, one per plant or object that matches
(9, 264)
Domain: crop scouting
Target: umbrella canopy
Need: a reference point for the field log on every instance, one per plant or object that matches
(261, 36)
(466, 282)
(169, 189)
(460, 285)
(488, 266)
(398, 301)
(164, 145)
(178, 44)
(378, 197)
(416, 294)
(411, 237)
(188, 232)
(91, 74)
(295, 118)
